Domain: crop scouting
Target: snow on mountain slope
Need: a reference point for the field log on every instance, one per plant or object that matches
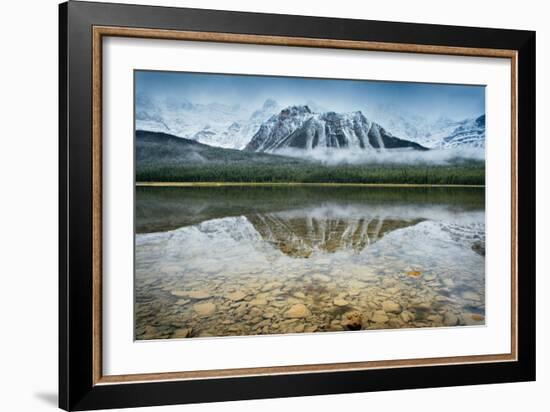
(439, 134)
(278, 127)
(241, 133)
(469, 132)
(456, 134)
(214, 124)
(303, 126)
(298, 127)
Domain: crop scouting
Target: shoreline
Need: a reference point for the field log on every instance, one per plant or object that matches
(320, 184)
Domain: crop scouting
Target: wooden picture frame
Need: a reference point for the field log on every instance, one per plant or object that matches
(83, 26)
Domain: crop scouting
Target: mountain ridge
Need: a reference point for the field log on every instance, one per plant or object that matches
(234, 126)
(298, 127)
(441, 133)
(215, 124)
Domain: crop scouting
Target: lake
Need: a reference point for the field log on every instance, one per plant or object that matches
(252, 260)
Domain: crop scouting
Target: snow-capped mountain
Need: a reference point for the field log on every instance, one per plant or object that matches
(239, 133)
(183, 118)
(279, 127)
(269, 128)
(446, 133)
(214, 124)
(298, 127)
(469, 132)
(439, 134)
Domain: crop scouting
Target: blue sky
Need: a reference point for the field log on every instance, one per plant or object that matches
(425, 99)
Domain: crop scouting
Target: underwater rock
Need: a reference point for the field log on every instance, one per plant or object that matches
(437, 319)
(269, 286)
(450, 319)
(297, 311)
(473, 319)
(379, 316)
(340, 302)
(407, 316)
(193, 294)
(204, 309)
(178, 293)
(182, 333)
(352, 320)
(258, 302)
(469, 295)
(236, 296)
(390, 306)
(299, 328)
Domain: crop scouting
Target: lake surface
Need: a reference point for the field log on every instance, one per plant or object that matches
(245, 260)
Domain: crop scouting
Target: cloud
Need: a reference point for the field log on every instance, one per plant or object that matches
(386, 156)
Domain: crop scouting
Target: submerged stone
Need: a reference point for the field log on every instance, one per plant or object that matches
(204, 309)
(473, 319)
(299, 328)
(380, 317)
(178, 293)
(258, 302)
(390, 306)
(352, 320)
(406, 316)
(297, 311)
(469, 295)
(269, 286)
(236, 296)
(193, 294)
(340, 302)
(450, 319)
(182, 333)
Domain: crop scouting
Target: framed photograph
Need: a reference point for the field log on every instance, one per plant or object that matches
(257, 205)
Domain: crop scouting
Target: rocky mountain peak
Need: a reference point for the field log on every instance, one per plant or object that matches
(297, 127)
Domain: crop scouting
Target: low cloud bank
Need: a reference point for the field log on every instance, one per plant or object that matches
(386, 156)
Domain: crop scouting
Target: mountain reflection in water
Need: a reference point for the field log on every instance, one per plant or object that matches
(328, 228)
(223, 261)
